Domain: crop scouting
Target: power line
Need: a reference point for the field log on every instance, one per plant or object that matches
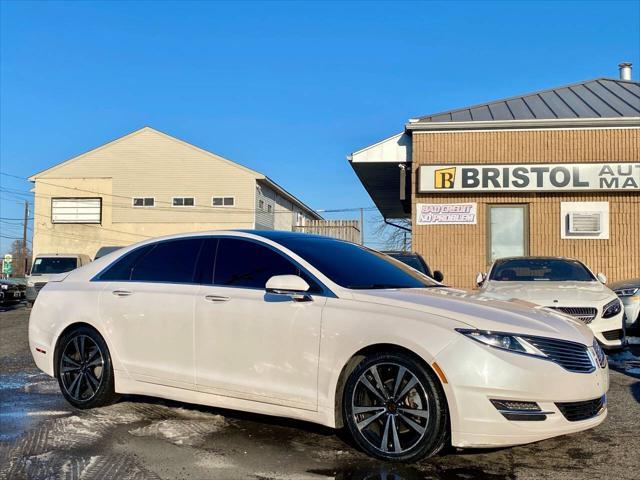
(170, 204)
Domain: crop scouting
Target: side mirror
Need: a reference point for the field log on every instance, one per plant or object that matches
(480, 278)
(291, 285)
(602, 278)
(438, 276)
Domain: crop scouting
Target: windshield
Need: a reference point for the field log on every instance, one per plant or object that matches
(52, 265)
(353, 266)
(412, 260)
(540, 269)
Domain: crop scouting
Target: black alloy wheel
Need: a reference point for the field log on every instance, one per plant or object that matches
(84, 370)
(394, 408)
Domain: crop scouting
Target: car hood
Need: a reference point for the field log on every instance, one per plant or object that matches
(632, 283)
(483, 312)
(551, 293)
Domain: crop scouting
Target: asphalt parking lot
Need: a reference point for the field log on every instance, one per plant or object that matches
(41, 436)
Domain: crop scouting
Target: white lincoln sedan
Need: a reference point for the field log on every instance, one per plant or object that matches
(321, 330)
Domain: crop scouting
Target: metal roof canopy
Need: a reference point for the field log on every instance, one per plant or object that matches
(602, 102)
(599, 98)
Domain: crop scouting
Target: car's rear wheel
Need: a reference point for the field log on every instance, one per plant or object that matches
(394, 408)
(85, 374)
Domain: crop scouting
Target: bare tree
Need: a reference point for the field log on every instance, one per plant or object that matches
(394, 238)
(18, 259)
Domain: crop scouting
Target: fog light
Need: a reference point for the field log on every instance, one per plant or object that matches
(513, 405)
(520, 411)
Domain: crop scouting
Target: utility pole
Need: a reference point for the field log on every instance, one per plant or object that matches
(362, 226)
(24, 237)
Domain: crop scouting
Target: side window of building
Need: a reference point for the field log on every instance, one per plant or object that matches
(240, 263)
(121, 269)
(172, 261)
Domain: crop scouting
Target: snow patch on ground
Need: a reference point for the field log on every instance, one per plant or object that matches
(626, 361)
(212, 461)
(182, 431)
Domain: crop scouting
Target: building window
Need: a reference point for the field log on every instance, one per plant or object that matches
(144, 202)
(223, 201)
(269, 208)
(76, 210)
(508, 231)
(183, 201)
(261, 204)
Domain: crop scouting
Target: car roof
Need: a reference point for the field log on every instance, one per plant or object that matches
(276, 235)
(398, 252)
(534, 257)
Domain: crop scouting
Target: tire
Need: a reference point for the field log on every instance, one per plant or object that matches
(404, 422)
(84, 370)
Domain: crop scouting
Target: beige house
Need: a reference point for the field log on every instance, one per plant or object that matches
(147, 184)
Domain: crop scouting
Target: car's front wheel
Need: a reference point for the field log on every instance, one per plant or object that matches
(394, 408)
(85, 374)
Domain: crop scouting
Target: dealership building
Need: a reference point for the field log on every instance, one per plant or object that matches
(554, 172)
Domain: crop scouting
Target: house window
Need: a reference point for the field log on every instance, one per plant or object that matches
(269, 208)
(76, 210)
(223, 201)
(183, 201)
(261, 204)
(144, 202)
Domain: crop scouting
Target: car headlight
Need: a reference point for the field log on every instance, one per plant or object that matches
(4, 287)
(30, 284)
(612, 308)
(501, 340)
(626, 292)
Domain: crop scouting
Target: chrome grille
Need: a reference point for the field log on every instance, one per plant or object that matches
(571, 356)
(584, 314)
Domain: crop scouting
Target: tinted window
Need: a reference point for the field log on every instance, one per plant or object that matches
(173, 261)
(540, 269)
(240, 263)
(121, 269)
(353, 266)
(204, 268)
(53, 265)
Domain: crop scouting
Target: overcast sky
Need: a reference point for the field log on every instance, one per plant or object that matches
(288, 89)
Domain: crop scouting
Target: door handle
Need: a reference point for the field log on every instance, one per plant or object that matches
(122, 293)
(216, 298)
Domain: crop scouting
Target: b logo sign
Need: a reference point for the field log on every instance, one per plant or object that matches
(444, 178)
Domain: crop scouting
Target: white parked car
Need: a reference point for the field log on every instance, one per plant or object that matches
(629, 293)
(47, 264)
(322, 330)
(562, 284)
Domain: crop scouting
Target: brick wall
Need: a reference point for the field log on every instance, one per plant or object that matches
(460, 250)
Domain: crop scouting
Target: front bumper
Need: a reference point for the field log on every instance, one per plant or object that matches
(609, 331)
(477, 373)
(632, 311)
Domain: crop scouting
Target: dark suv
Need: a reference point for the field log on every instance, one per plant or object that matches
(416, 261)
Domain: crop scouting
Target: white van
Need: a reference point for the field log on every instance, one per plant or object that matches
(47, 264)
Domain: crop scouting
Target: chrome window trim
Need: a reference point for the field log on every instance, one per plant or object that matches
(326, 292)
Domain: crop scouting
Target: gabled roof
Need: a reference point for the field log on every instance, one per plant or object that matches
(598, 98)
(259, 176)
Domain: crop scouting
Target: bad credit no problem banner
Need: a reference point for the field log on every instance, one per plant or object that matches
(540, 177)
